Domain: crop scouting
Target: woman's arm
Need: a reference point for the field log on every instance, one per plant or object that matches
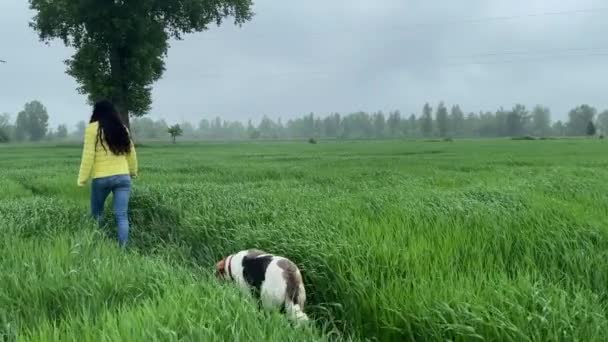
(132, 160)
(88, 154)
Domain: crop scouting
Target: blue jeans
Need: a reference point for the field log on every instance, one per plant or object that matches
(120, 186)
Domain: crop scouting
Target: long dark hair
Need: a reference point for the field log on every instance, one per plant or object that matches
(111, 128)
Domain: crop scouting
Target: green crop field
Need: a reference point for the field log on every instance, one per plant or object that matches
(427, 241)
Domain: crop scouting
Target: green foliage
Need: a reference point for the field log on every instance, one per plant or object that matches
(559, 128)
(442, 120)
(379, 125)
(516, 120)
(175, 131)
(146, 128)
(457, 122)
(394, 124)
(62, 132)
(80, 128)
(5, 128)
(580, 117)
(120, 45)
(32, 122)
(503, 241)
(541, 121)
(591, 130)
(426, 124)
(602, 122)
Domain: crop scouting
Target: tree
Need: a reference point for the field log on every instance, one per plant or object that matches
(32, 122)
(394, 122)
(517, 120)
(427, 120)
(456, 121)
(579, 119)
(379, 125)
(602, 122)
(332, 125)
(411, 125)
(62, 132)
(5, 128)
(559, 128)
(188, 128)
(175, 131)
(442, 120)
(120, 45)
(267, 128)
(252, 133)
(541, 121)
(81, 126)
(591, 129)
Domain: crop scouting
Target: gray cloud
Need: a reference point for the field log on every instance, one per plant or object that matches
(345, 55)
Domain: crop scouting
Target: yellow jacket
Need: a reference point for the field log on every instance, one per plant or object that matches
(97, 162)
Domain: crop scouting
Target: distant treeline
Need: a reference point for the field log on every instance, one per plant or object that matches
(32, 125)
(439, 122)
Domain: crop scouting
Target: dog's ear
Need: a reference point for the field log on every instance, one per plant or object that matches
(220, 268)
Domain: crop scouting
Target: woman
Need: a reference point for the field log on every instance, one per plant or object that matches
(109, 158)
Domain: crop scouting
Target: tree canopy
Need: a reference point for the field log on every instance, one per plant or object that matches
(121, 44)
(32, 122)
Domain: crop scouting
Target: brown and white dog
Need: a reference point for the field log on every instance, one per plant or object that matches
(275, 280)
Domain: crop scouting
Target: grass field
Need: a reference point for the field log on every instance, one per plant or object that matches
(429, 241)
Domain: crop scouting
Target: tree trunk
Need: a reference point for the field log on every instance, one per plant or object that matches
(119, 94)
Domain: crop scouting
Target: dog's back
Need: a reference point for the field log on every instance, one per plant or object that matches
(284, 286)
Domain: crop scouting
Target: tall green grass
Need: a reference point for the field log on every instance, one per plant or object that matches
(472, 240)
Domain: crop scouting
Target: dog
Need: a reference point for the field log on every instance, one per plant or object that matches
(274, 280)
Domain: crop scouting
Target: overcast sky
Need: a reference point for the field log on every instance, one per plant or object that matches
(323, 56)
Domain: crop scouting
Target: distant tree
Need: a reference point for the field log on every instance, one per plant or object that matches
(602, 122)
(591, 130)
(188, 129)
(471, 125)
(426, 121)
(379, 125)
(309, 125)
(81, 126)
(250, 129)
(559, 128)
(442, 120)
(4, 136)
(146, 128)
(411, 127)
(394, 123)
(120, 45)
(541, 121)
(50, 135)
(517, 119)
(457, 122)
(505, 123)
(266, 128)
(204, 126)
(62, 132)
(175, 131)
(5, 128)
(489, 124)
(579, 119)
(332, 125)
(32, 122)
(254, 135)
(318, 130)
